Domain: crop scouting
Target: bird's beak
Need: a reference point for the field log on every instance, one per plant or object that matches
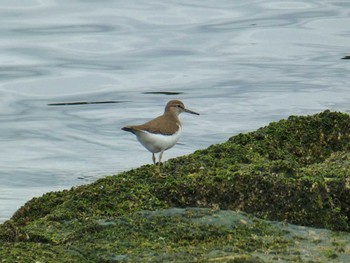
(189, 111)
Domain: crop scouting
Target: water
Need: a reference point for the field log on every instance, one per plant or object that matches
(241, 64)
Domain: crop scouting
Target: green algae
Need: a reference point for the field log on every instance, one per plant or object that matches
(294, 170)
(186, 235)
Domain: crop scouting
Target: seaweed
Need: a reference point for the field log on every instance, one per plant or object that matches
(295, 171)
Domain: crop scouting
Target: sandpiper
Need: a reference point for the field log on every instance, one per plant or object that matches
(161, 133)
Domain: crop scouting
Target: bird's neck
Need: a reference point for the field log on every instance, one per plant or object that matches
(173, 115)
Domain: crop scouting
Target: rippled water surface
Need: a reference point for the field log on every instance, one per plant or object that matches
(241, 64)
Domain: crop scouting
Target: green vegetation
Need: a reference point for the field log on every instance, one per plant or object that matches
(295, 170)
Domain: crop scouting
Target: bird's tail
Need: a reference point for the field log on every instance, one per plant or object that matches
(128, 129)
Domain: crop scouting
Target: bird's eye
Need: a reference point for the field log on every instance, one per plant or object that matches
(178, 105)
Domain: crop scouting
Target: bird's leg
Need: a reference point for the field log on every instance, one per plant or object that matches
(158, 165)
(154, 159)
(157, 170)
(160, 158)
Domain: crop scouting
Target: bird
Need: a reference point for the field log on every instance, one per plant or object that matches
(162, 132)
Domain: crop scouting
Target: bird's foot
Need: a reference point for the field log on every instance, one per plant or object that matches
(157, 171)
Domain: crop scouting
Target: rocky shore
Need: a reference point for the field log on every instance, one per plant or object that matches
(280, 193)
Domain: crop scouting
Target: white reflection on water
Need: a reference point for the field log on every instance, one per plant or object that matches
(241, 65)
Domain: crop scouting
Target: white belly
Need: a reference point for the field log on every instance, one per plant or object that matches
(156, 143)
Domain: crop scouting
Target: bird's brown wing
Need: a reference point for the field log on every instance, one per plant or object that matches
(160, 125)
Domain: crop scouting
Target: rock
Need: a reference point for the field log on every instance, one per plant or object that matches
(294, 171)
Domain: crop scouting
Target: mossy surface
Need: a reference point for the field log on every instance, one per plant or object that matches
(294, 170)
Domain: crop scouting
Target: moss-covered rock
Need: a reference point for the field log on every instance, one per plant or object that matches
(179, 235)
(294, 170)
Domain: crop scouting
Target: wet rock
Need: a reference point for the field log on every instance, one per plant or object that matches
(280, 193)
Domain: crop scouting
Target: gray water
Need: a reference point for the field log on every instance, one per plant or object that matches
(241, 64)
